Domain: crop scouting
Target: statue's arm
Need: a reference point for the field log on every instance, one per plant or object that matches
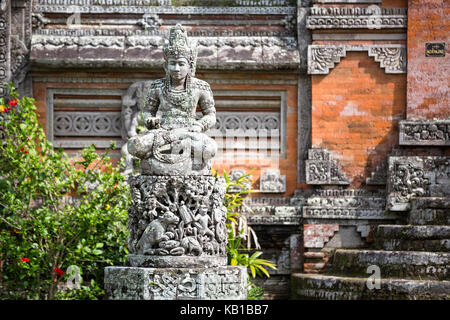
(206, 103)
(151, 103)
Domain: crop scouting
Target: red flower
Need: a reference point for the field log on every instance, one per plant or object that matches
(26, 152)
(24, 260)
(12, 102)
(58, 271)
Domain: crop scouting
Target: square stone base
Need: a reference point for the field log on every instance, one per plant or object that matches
(220, 283)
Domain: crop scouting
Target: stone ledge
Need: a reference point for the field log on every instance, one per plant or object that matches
(324, 287)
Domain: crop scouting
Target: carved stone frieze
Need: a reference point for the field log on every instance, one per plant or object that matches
(425, 132)
(415, 177)
(177, 216)
(360, 18)
(133, 283)
(322, 58)
(322, 170)
(346, 204)
(272, 182)
(87, 124)
(100, 7)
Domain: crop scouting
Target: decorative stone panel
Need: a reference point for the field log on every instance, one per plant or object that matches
(415, 177)
(360, 18)
(425, 132)
(272, 181)
(321, 169)
(322, 58)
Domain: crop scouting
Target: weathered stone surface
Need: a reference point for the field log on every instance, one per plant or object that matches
(398, 264)
(327, 287)
(129, 283)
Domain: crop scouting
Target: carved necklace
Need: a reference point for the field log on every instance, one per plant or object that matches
(175, 97)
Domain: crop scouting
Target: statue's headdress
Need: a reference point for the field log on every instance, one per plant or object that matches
(179, 46)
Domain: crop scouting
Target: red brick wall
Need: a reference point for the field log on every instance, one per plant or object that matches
(428, 77)
(355, 113)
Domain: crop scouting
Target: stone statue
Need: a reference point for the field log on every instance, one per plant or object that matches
(175, 142)
(177, 208)
(178, 236)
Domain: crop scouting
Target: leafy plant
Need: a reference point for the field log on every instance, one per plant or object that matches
(240, 235)
(41, 231)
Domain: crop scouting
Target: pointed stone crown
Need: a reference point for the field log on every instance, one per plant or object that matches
(179, 46)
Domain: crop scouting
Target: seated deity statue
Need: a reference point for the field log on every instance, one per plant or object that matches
(175, 142)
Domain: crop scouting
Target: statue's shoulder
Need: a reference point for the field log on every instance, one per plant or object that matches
(158, 83)
(200, 84)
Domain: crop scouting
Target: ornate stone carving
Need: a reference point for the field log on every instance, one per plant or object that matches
(349, 18)
(425, 132)
(391, 58)
(413, 177)
(98, 7)
(150, 22)
(173, 216)
(321, 58)
(127, 283)
(87, 124)
(321, 169)
(272, 182)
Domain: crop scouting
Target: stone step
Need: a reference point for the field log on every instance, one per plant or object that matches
(412, 238)
(412, 232)
(328, 287)
(442, 245)
(397, 264)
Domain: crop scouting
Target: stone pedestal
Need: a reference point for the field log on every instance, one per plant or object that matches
(177, 243)
(219, 283)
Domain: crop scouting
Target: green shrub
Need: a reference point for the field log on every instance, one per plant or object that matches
(41, 234)
(239, 249)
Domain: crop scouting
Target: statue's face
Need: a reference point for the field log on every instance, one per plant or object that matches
(178, 68)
